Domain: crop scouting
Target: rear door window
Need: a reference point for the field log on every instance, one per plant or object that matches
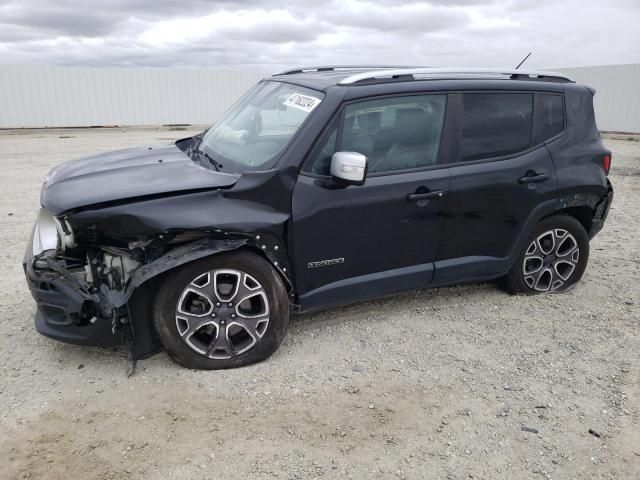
(495, 124)
(549, 116)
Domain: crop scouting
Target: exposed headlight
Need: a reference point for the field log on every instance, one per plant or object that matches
(49, 234)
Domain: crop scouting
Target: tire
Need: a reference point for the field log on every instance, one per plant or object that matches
(560, 266)
(195, 304)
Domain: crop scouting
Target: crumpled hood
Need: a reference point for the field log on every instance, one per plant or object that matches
(127, 174)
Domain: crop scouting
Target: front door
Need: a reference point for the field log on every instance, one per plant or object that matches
(364, 241)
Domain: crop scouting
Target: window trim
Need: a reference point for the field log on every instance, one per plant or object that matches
(338, 117)
(535, 116)
(452, 118)
(533, 147)
(325, 133)
(509, 155)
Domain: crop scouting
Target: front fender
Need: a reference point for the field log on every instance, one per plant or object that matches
(194, 251)
(170, 260)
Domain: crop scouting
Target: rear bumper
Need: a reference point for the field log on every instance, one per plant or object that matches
(601, 212)
(65, 311)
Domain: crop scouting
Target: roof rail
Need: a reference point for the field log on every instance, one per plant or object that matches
(454, 73)
(331, 68)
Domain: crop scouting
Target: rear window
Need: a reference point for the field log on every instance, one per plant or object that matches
(495, 124)
(549, 116)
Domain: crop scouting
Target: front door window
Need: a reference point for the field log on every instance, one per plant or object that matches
(398, 133)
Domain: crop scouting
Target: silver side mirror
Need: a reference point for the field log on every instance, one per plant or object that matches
(349, 168)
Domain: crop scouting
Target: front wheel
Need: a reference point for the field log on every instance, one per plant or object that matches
(554, 259)
(224, 311)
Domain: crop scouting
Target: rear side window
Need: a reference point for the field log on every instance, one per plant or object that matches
(495, 124)
(549, 116)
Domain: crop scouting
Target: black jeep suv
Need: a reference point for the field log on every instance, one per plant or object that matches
(320, 187)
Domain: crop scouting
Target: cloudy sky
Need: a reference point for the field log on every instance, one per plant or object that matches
(266, 35)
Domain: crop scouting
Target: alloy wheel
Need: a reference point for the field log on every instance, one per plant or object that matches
(550, 260)
(222, 313)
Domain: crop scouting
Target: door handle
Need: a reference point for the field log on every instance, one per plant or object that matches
(533, 177)
(415, 197)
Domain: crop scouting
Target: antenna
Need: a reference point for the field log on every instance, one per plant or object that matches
(523, 60)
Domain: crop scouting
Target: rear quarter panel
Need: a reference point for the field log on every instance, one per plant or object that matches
(577, 153)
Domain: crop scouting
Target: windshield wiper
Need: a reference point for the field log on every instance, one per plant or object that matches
(195, 148)
(214, 163)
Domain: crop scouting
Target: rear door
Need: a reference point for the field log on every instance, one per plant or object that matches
(500, 175)
(362, 241)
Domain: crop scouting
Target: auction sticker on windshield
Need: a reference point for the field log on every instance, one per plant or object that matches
(302, 102)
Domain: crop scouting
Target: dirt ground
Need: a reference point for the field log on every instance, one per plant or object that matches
(457, 383)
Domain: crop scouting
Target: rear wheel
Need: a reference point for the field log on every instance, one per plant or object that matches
(554, 259)
(224, 311)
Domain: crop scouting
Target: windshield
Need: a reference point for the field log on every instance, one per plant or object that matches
(257, 128)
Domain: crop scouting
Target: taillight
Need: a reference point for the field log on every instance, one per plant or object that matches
(606, 163)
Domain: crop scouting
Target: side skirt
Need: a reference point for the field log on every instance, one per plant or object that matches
(366, 287)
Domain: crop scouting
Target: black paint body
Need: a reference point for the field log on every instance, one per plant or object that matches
(474, 231)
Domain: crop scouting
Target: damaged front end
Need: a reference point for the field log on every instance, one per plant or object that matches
(95, 291)
(65, 281)
(110, 226)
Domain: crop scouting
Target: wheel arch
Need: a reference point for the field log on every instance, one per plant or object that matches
(582, 213)
(579, 206)
(547, 257)
(282, 270)
(141, 291)
(265, 245)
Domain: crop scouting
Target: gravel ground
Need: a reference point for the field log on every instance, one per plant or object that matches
(460, 382)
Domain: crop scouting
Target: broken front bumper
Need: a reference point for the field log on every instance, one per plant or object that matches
(65, 311)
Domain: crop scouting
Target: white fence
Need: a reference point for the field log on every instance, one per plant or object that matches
(46, 96)
(617, 100)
